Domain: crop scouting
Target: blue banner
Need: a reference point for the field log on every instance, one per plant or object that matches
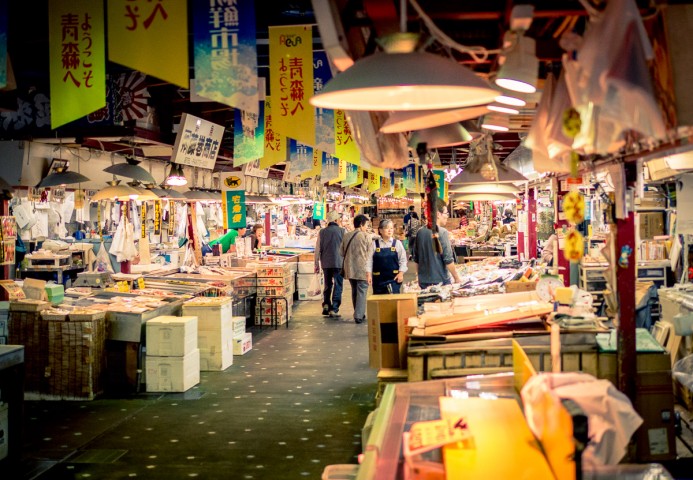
(3, 43)
(226, 53)
(324, 117)
(248, 136)
(409, 177)
(330, 168)
(300, 157)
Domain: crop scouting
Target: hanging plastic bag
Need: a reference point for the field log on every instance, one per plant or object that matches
(103, 260)
(314, 287)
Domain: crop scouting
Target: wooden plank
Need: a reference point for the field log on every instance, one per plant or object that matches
(454, 323)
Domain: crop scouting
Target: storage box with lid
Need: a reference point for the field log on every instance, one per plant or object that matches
(209, 311)
(242, 343)
(171, 336)
(173, 374)
(238, 325)
(216, 348)
(55, 293)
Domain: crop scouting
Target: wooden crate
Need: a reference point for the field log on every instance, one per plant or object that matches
(517, 286)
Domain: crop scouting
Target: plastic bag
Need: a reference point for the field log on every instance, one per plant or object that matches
(314, 287)
(103, 260)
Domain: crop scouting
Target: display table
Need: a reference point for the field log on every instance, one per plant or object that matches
(11, 404)
(60, 274)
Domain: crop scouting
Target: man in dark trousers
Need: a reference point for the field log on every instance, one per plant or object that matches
(327, 254)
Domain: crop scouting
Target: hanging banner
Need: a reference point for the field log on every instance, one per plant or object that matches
(385, 186)
(275, 142)
(171, 217)
(3, 43)
(300, 159)
(291, 81)
(225, 53)
(197, 142)
(143, 220)
(400, 190)
(233, 206)
(324, 117)
(319, 211)
(373, 182)
(341, 172)
(77, 59)
(345, 146)
(316, 168)
(151, 37)
(409, 177)
(248, 136)
(157, 217)
(330, 168)
(439, 175)
(352, 175)
(252, 169)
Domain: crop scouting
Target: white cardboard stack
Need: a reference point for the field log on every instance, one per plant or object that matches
(303, 282)
(173, 359)
(214, 331)
(275, 292)
(242, 340)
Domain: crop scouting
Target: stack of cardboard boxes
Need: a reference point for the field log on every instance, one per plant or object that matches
(275, 293)
(173, 359)
(242, 340)
(214, 331)
(306, 274)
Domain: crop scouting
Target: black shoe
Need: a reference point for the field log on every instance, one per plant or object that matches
(335, 314)
(359, 320)
(325, 311)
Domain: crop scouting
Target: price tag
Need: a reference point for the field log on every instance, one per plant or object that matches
(425, 436)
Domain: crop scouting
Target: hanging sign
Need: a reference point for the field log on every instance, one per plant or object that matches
(385, 186)
(345, 146)
(252, 169)
(151, 37)
(197, 142)
(341, 172)
(157, 217)
(171, 217)
(233, 200)
(409, 177)
(143, 220)
(373, 182)
(291, 81)
(319, 211)
(248, 136)
(316, 167)
(275, 142)
(324, 117)
(439, 175)
(352, 175)
(330, 168)
(77, 59)
(226, 53)
(300, 159)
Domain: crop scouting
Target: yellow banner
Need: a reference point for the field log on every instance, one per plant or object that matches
(345, 146)
(373, 182)
(341, 173)
(316, 169)
(77, 59)
(385, 186)
(359, 176)
(275, 142)
(151, 37)
(291, 81)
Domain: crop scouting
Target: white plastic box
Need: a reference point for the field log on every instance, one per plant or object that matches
(209, 311)
(171, 336)
(216, 348)
(238, 325)
(172, 374)
(242, 343)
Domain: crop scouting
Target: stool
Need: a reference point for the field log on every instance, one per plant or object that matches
(274, 315)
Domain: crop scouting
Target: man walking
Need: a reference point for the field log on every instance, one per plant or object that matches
(355, 252)
(328, 255)
(434, 267)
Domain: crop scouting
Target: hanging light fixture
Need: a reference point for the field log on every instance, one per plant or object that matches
(486, 187)
(442, 136)
(473, 197)
(520, 68)
(60, 175)
(499, 108)
(130, 169)
(403, 79)
(176, 177)
(510, 98)
(420, 119)
(115, 191)
(496, 122)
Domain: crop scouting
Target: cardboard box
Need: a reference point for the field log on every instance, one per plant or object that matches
(513, 286)
(387, 319)
(651, 224)
(173, 374)
(216, 349)
(10, 290)
(286, 281)
(238, 326)
(242, 343)
(34, 289)
(210, 311)
(306, 268)
(169, 336)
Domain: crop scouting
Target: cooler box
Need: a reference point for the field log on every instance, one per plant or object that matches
(209, 311)
(169, 336)
(55, 292)
(173, 374)
(243, 343)
(216, 348)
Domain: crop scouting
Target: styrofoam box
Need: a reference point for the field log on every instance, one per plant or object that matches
(306, 267)
(171, 336)
(243, 343)
(209, 312)
(303, 295)
(238, 326)
(303, 281)
(216, 349)
(172, 374)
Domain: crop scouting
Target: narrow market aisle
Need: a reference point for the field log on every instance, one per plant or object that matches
(285, 410)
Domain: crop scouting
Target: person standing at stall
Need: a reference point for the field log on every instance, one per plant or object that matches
(256, 237)
(387, 260)
(229, 239)
(355, 252)
(327, 254)
(434, 267)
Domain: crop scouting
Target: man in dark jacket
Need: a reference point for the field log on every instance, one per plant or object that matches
(327, 254)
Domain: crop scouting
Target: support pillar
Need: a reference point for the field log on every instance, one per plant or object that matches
(625, 284)
(268, 226)
(531, 206)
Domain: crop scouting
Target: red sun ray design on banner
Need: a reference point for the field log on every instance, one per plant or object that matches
(133, 95)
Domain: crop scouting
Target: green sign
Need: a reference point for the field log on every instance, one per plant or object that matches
(319, 211)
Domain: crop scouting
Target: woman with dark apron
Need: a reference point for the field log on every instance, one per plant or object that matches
(387, 261)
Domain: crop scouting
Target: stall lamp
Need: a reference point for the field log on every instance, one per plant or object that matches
(130, 170)
(520, 70)
(495, 107)
(442, 136)
(486, 187)
(508, 99)
(420, 119)
(116, 192)
(496, 122)
(402, 79)
(62, 176)
(176, 177)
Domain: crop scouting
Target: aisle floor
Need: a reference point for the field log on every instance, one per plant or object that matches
(292, 405)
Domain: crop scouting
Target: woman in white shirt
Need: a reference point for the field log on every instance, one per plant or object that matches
(387, 261)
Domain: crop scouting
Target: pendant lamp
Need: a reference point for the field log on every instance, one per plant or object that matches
(420, 119)
(442, 136)
(486, 187)
(176, 177)
(473, 197)
(116, 192)
(62, 176)
(520, 70)
(130, 169)
(402, 79)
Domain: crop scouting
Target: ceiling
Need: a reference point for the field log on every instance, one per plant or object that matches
(467, 22)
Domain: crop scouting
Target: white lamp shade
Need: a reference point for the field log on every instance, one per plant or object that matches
(404, 81)
(487, 187)
(117, 192)
(420, 119)
(505, 175)
(496, 122)
(441, 136)
(474, 197)
(520, 70)
(130, 171)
